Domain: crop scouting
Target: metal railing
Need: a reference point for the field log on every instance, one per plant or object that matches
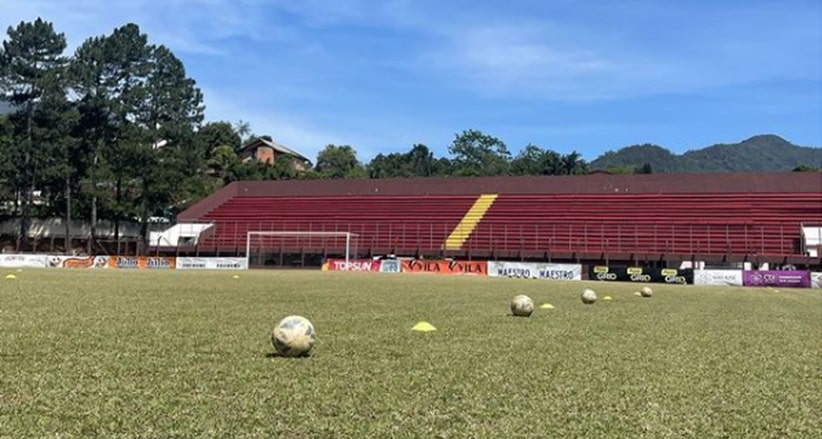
(783, 239)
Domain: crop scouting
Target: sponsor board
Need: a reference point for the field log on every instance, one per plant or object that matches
(23, 261)
(78, 261)
(718, 277)
(642, 274)
(477, 268)
(390, 266)
(352, 265)
(215, 263)
(816, 280)
(776, 278)
(142, 262)
(534, 270)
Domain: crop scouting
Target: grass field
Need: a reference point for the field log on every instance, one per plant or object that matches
(184, 354)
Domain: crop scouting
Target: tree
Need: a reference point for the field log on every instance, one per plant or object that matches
(30, 64)
(109, 75)
(418, 162)
(56, 120)
(243, 129)
(387, 166)
(478, 154)
(8, 171)
(339, 162)
(168, 114)
(529, 161)
(573, 164)
(215, 134)
(644, 169)
(421, 161)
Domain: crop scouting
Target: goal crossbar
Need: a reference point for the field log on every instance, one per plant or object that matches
(346, 235)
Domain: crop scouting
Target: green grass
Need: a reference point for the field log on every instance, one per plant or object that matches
(182, 354)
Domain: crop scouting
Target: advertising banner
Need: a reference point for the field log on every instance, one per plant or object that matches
(718, 277)
(352, 265)
(774, 278)
(477, 268)
(142, 262)
(23, 261)
(535, 270)
(78, 261)
(390, 266)
(816, 280)
(215, 263)
(679, 276)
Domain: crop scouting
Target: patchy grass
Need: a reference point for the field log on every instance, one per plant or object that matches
(183, 354)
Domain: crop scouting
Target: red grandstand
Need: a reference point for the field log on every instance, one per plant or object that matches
(722, 217)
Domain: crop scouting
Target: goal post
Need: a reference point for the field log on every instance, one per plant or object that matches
(261, 243)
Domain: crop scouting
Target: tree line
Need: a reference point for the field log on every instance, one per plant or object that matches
(115, 131)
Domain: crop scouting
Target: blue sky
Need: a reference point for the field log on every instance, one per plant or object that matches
(565, 75)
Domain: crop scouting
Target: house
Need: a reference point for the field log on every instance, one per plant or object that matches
(267, 151)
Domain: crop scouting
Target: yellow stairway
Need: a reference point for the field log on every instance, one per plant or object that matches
(469, 222)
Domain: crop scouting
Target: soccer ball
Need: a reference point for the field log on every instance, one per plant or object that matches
(646, 292)
(293, 336)
(522, 306)
(588, 296)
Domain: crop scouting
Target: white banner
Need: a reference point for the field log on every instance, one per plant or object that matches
(58, 261)
(211, 264)
(816, 279)
(535, 270)
(21, 261)
(718, 277)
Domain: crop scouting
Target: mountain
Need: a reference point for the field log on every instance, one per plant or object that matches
(758, 153)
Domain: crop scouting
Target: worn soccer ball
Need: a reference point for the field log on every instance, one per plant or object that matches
(646, 292)
(293, 336)
(588, 296)
(522, 305)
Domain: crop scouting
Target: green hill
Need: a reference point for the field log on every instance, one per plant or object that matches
(759, 153)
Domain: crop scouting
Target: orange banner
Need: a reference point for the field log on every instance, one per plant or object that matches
(478, 268)
(142, 262)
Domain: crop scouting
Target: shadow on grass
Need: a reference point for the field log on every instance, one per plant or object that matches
(279, 355)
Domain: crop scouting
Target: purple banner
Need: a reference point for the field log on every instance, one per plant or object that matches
(785, 279)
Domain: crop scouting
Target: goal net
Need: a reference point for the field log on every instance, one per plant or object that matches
(297, 248)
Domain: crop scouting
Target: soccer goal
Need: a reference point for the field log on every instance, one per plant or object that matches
(263, 247)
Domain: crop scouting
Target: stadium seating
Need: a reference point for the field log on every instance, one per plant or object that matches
(739, 214)
(381, 222)
(648, 223)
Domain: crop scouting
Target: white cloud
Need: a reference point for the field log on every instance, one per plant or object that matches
(193, 26)
(651, 51)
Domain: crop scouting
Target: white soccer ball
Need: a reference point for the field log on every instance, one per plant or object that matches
(646, 292)
(522, 305)
(588, 296)
(293, 336)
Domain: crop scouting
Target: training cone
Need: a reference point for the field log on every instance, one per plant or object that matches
(235, 277)
(423, 327)
(607, 298)
(19, 270)
(11, 276)
(546, 306)
(637, 293)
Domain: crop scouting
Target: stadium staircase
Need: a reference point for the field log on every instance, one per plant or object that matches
(469, 222)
